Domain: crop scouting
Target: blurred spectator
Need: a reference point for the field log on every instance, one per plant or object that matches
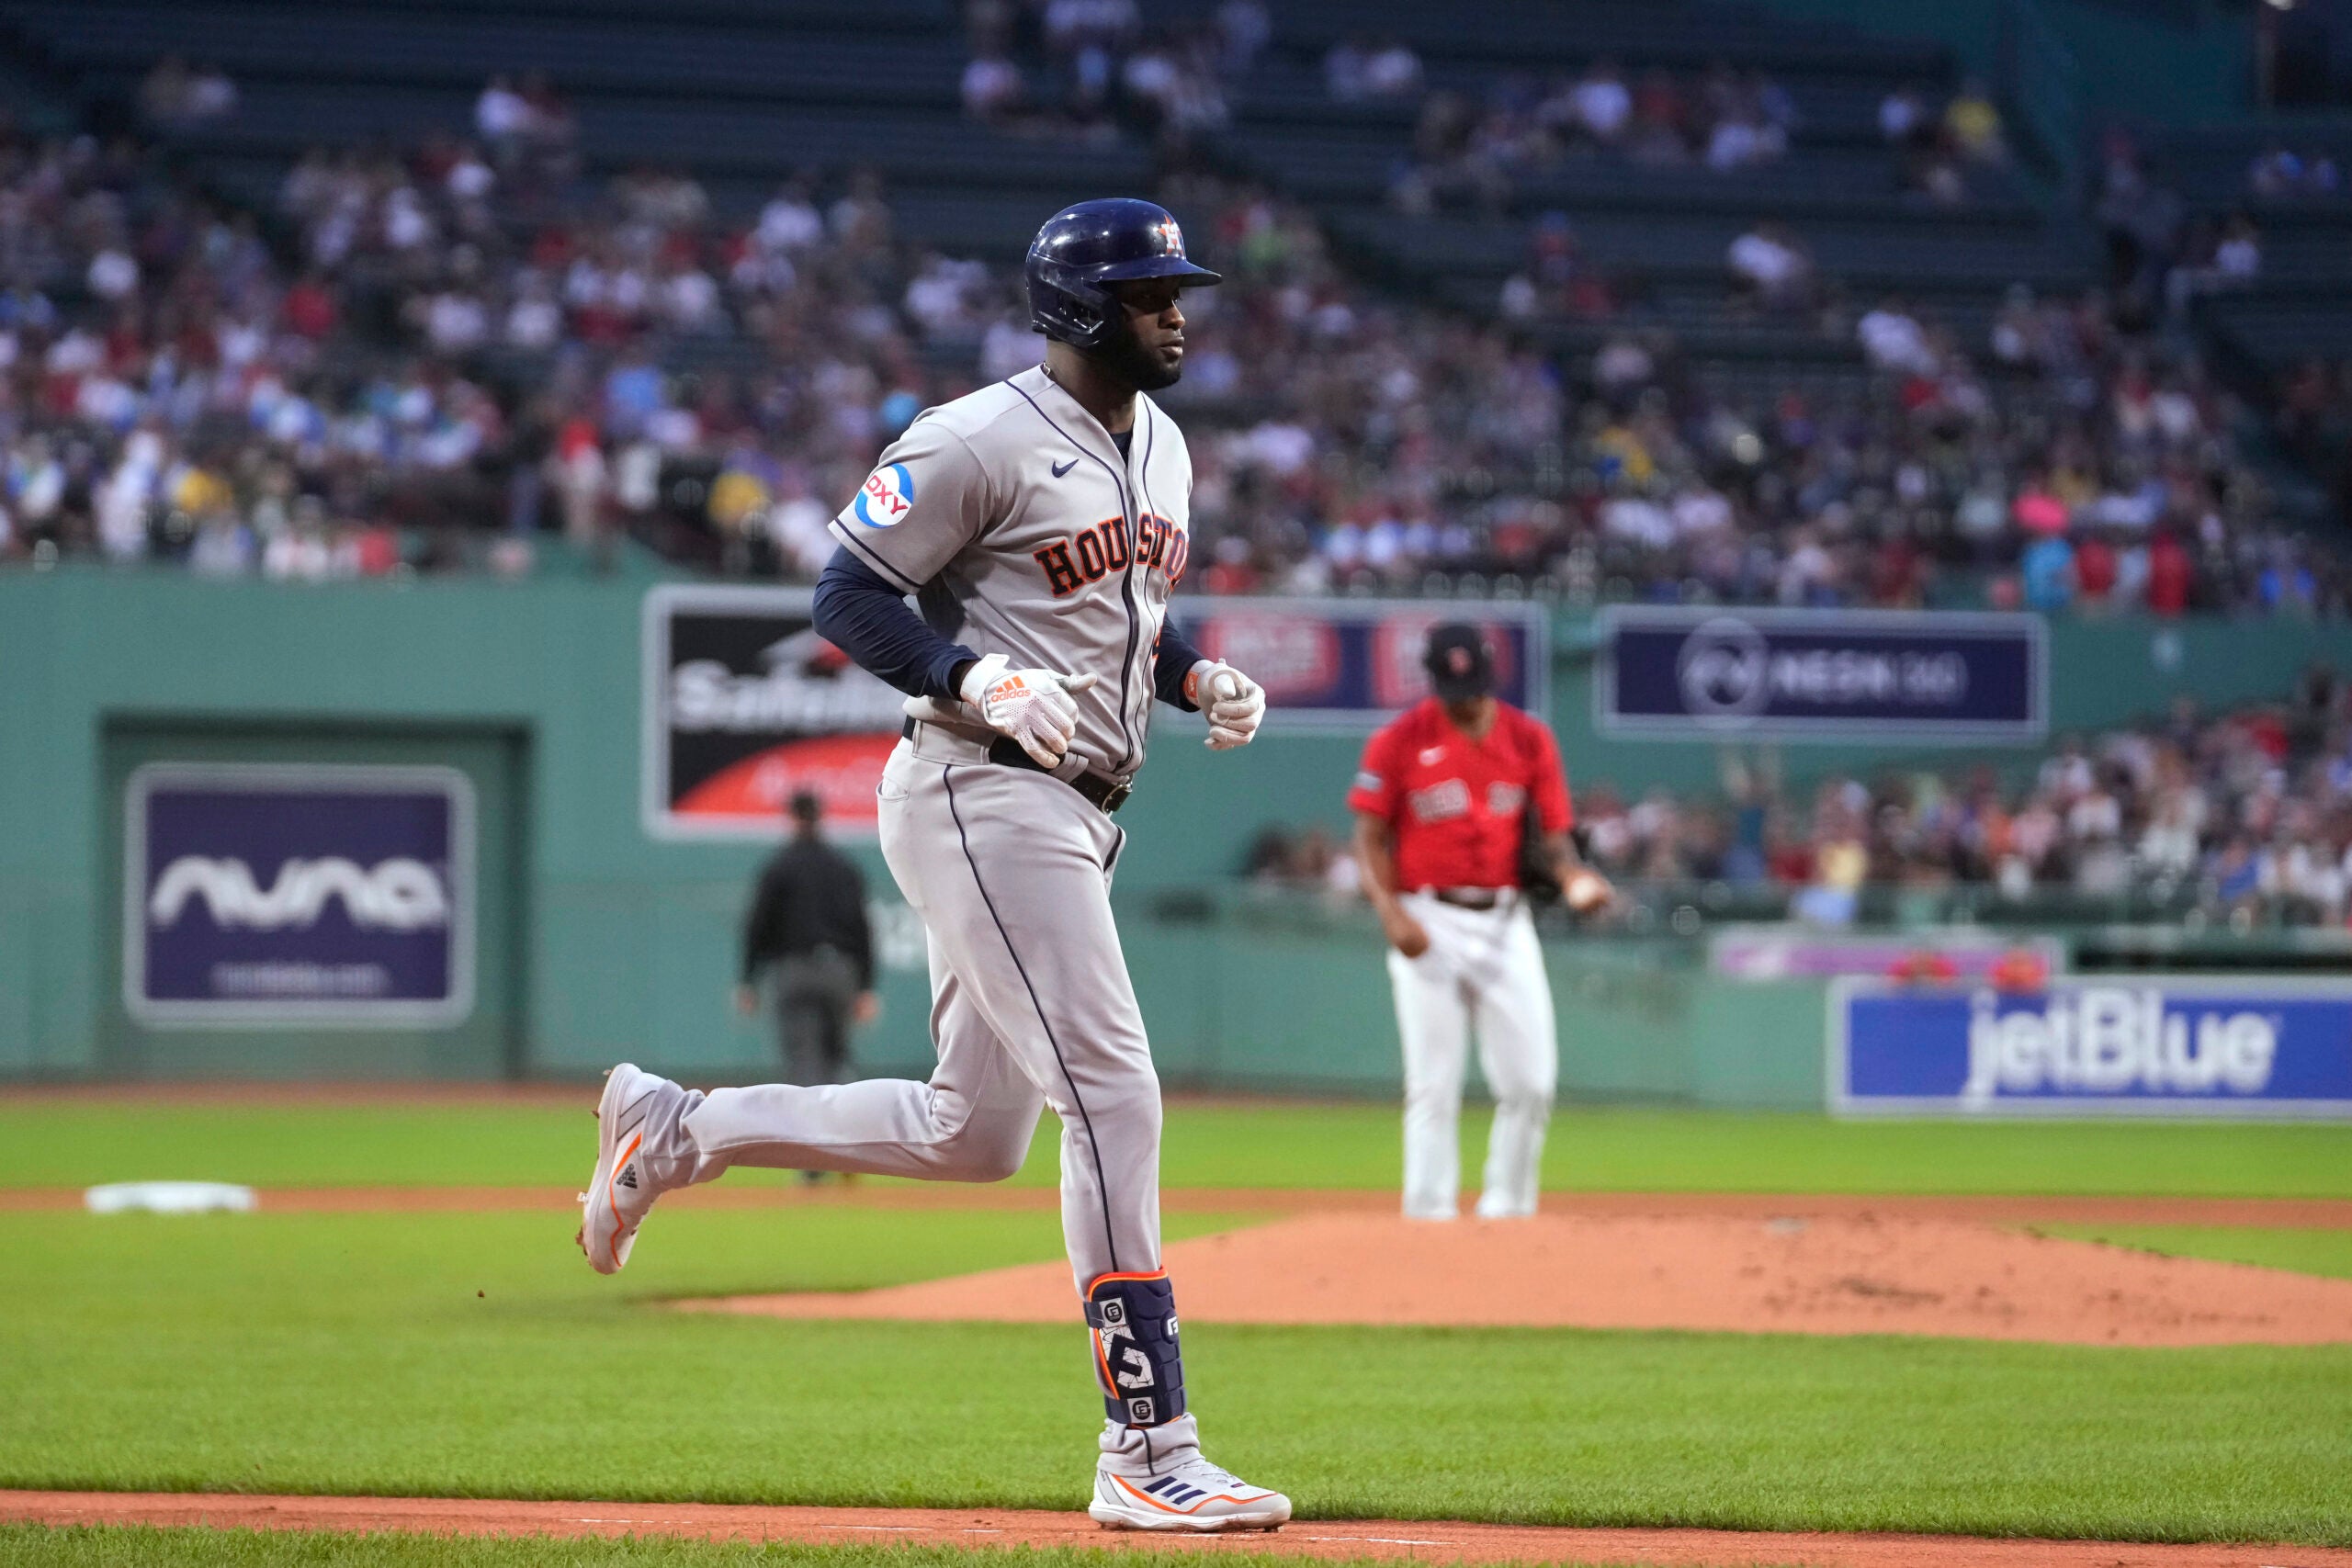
(1660, 136)
(1307, 859)
(1903, 118)
(1392, 71)
(1086, 39)
(1345, 65)
(501, 114)
(1463, 151)
(172, 97)
(1243, 30)
(1841, 864)
(1747, 120)
(992, 89)
(2214, 262)
(1366, 70)
(2278, 175)
(2140, 221)
(1974, 125)
(1933, 153)
(1893, 339)
(1769, 267)
(2237, 255)
(1172, 88)
(1598, 106)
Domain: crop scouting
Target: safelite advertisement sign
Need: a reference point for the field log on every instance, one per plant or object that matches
(745, 707)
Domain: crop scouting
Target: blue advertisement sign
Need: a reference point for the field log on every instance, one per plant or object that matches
(2154, 1044)
(1352, 664)
(257, 894)
(1918, 676)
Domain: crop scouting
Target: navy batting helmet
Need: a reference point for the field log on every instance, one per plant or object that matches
(1081, 248)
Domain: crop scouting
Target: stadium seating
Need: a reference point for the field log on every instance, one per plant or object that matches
(1668, 228)
(2298, 307)
(746, 94)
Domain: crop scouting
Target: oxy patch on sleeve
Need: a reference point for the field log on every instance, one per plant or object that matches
(886, 497)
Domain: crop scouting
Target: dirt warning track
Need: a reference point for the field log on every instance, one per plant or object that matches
(1419, 1540)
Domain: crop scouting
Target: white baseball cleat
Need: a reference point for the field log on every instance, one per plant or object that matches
(1191, 1495)
(622, 1191)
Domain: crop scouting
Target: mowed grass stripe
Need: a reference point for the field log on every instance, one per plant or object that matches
(457, 1355)
(48, 1142)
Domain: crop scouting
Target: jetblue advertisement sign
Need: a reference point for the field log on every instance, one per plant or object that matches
(257, 894)
(1797, 676)
(2147, 1045)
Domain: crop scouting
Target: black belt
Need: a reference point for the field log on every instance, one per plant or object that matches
(1105, 794)
(1469, 898)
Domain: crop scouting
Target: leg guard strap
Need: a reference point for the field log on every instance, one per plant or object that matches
(1136, 1355)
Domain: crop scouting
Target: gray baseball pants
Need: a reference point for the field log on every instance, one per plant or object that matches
(1031, 1006)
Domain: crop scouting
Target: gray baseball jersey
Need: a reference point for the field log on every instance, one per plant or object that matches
(1014, 516)
(1025, 533)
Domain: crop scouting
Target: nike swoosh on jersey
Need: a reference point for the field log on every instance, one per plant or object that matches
(1433, 755)
(1061, 468)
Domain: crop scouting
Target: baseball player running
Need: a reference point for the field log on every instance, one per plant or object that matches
(1040, 524)
(1441, 806)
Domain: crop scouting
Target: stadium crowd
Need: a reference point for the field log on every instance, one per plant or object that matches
(1467, 151)
(1088, 68)
(453, 345)
(2246, 815)
(2248, 810)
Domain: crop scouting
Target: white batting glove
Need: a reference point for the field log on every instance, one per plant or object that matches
(1234, 704)
(1033, 707)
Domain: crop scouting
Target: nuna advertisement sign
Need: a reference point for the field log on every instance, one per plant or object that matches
(297, 895)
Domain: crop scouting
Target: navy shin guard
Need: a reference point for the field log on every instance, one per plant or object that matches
(1135, 1354)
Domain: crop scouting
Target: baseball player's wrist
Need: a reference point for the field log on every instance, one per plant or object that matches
(1193, 678)
(947, 676)
(973, 679)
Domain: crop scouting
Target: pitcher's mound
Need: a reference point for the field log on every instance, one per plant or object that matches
(1812, 1276)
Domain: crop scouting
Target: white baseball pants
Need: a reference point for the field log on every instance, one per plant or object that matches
(1483, 969)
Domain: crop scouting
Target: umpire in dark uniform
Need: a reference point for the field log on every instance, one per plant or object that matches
(808, 921)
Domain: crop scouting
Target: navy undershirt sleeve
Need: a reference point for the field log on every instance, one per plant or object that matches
(1171, 660)
(861, 614)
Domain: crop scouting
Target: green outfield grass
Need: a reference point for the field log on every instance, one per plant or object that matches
(122, 1547)
(66, 1142)
(476, 1354)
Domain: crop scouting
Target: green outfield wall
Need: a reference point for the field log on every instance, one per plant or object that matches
(600, 942)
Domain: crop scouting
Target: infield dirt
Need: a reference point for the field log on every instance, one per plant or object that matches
(1835, 1274)
(1416, 1540)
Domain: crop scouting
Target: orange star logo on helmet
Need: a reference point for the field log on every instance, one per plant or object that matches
(1171, 238)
